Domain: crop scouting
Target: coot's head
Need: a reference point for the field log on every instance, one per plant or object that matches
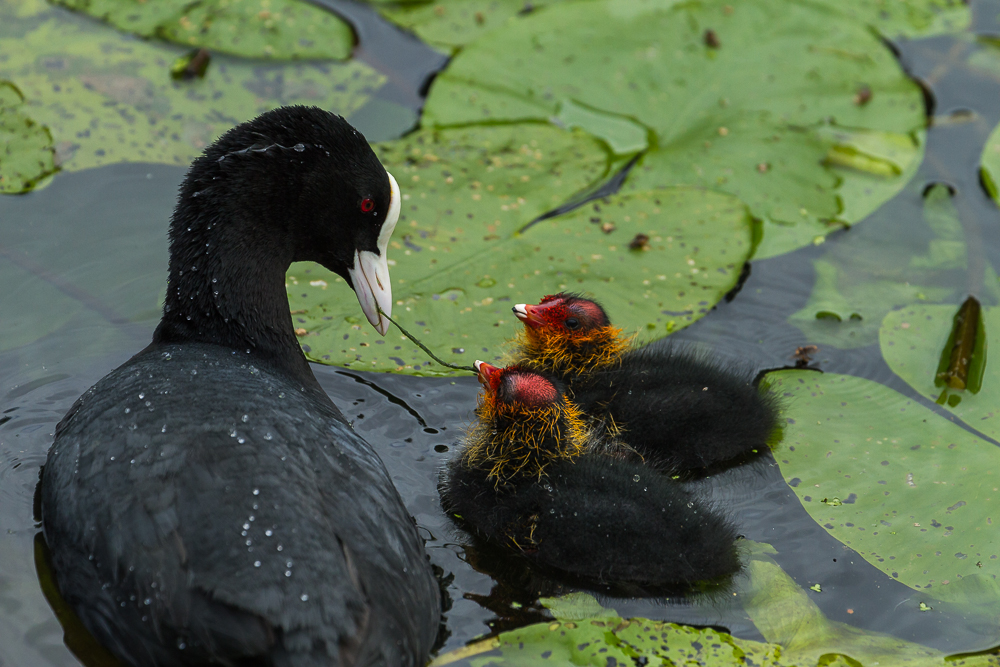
(525, 422)
(297, 184)
(568, 334)
(569, 314)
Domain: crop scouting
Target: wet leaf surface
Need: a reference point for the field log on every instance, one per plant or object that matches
(460, 263)
(26, 152)
(912, 339)
(279, 29)
(754, 127)
(918, 493)
(108, 97)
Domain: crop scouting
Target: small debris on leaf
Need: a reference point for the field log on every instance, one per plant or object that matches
(608, 227)
(863, 96)
(527, 9)
(763, 167)
(192, 65)
(711, 39)
(832, 502)
(480, 19)
(639, 242)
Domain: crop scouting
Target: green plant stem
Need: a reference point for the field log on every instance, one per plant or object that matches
(424, 347)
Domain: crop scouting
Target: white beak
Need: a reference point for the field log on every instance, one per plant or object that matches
(520, 311)
(370, 273)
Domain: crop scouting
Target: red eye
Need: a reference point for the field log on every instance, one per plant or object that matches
(367, 205)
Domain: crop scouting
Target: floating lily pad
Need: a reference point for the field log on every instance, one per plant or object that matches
(756, 127)
(864, 276)
(912, 339)
(990, 166)
(279, 29)
(108, 97)
(26, 152)
(586, 634)
(450, 24)
(459, 264)
(918, 494)
(795, 630)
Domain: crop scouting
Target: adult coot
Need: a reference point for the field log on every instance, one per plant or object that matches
(533, 479)
(205, 502)
(680, 409)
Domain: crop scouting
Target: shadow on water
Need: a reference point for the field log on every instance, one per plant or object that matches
(83, 264)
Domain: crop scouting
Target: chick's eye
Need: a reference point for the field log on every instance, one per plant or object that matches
(572, 323)
(367, 205)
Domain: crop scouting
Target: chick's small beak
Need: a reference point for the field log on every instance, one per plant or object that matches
(487, 374)
(527, 314)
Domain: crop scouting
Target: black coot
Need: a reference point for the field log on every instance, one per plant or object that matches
(205, 502)
(680, 409)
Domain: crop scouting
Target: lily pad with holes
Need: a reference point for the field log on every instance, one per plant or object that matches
(863, 276)
(459, 262)
(912, 340)
(918, 494)
(26, 152)
(108, 97)
(784, 130)
(278, 29)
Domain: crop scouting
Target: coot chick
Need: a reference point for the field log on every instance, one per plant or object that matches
(206, 502)
(534, 479)
(681, 410)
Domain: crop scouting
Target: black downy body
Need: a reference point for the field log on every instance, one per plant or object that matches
(600, 518)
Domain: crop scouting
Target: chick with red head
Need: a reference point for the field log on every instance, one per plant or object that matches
(535, 479)
(680, 409)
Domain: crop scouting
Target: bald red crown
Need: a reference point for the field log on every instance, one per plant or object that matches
(512, 385)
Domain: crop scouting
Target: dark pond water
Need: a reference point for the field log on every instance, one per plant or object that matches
(82, 266)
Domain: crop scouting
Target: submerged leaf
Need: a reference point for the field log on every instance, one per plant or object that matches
(874, 269)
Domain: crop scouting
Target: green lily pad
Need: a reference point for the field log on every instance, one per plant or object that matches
(862, 277)
(795, 630)
(756, 127)
(912, 339)
(279, 29)
(26, 152)
(918, 493)
(108, 97)
(459, 263)
(449, 25)
(989, 169)
(584, 633)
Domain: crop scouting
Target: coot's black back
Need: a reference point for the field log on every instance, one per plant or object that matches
(206, 503)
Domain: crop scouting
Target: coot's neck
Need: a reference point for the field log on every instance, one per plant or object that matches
(226, 286)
